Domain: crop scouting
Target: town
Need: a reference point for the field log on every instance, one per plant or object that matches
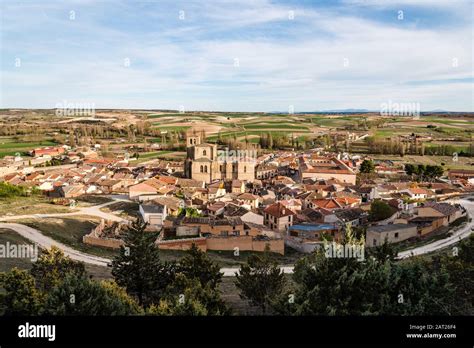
(171, 171)
(245, 199)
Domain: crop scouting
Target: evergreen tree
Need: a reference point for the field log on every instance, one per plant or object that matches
(52, 266)
(77, 295)
(196, 264)
(138, 267)
(367, 167)
(345, 286)
(187, 296)
(383, 252)
(379, 210)
(459, 264)
(21, 297)
(260, 280)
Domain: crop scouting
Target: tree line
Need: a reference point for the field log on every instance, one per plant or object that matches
(143, 284)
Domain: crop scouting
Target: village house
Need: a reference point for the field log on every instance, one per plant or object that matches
(446, 211)
(153, 214)
(145, 188)
(266, 171)
(462, 175)
(278, 217)
(229, 226)
(307, 237)
(325, 168)
(427, 224)
(342, 217)
(48, 151)
(417, 193)
(392, 233)
(248, 200)
(246, 215)
(71, 191)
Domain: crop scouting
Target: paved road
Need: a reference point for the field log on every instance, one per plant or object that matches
(456, 236)
(45, 242)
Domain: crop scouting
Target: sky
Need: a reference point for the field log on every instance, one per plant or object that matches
(246, 55)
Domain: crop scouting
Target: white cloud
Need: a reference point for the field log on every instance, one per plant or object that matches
(192, 63)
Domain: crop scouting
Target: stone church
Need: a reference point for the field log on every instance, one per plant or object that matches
(204, 163)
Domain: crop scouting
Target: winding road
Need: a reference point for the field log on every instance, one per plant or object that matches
(43, 241)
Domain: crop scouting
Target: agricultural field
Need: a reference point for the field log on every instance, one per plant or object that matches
(167, 128)
(30, 205)
(445, 161)
(10, 146)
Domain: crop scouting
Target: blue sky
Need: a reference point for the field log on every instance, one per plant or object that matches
(247, 55)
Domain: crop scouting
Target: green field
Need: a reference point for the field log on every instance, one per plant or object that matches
(146, 156)
(173, 128)
(276, 125)
(238, 134)
(9, 147)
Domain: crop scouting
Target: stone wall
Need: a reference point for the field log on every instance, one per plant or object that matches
(245, 243)
(182, 244)
(102, 242)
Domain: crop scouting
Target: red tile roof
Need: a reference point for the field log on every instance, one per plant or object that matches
(278, 210)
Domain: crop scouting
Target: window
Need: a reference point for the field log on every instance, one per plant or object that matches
(202, 169)
(396, 234)
(374, 242)
(204, 152)
(289, 218)
(245, 169)
(224, 233)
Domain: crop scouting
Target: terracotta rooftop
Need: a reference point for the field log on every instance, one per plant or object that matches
(278, 210)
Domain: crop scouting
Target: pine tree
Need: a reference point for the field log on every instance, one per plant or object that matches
(260, 280)
(138, 267)
(196, 264)
(77, 295)
(51, 268)
(367, 167)
(188, 296)
(21, 297)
